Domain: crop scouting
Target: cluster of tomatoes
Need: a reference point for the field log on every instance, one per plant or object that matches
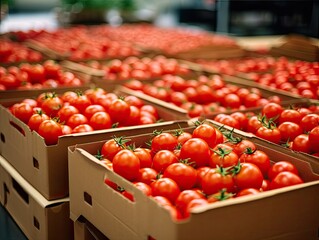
(140, 68)
(11, 52)
(78, 43)
(169, 41)
(53, 115)
(185, 169)
(296, 128)
(48, 74)
(205, 95)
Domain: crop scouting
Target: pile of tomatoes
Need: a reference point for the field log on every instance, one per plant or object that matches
(296, 128)
(11, 52)
(185, 169)
(48, 74)
(203, 95)
(53, 115)
(140, 68)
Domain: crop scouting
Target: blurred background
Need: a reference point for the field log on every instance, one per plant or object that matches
(233, 17)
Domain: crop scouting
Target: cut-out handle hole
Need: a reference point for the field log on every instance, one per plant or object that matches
(36, 223)
(88, 198)
(35, 163)
(16, 126)
(3, 138)
(22, 193)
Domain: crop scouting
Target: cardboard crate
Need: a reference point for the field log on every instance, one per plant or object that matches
(84, 230)
(37, 217)
(46, 167)
(288, 213)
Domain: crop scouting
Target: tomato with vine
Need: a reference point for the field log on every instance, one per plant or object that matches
(36, 119)
(112, 147)
(257, 157)
(22, 111)
(247, 175)
(223, 157)
(205, 132)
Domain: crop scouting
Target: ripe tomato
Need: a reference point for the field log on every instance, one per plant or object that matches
(112, 147)
(66, 112)
(51, 105)
(22, 111)
(301, 143)
(36, 119)
(284, 179)
(290, 115)
(77, 119)
(241, 118)
(243, 146)
(272, 110)
(197, 151)
(196, 203)
(126, 164)
(182, 136)
(257, 157)
(289, 131)
(248, 175)
(166, 187)
(82, 128)
(216, 179)
(314, 139)
(184, 198)
(253, 124)
(232, 101)
(247, 191)
(220, 196)
(162, 159)
(145, 157)
(223, 157)
(201, 171)
(269, 133)
(91, 109)
(119, 111)
(309, 122)
(281, 166)
(50, 130)
(100, 120)
(164, 141)
(147, 175)
(207, 133)
(145, 188)
(184, 175)
(81, 102)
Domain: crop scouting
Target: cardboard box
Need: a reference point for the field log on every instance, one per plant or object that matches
(84, 230)
(290, 213)
(37, 217)
(46, 167)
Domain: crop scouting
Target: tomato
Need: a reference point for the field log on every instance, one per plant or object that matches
(163, 201)
(216, 179)
(241, 118)
(232, 101)
(100, 120)
(164, 141)
(197, 151)
(272, 110)
(65, 112)
(309, 122)
(22, 111)
(126, 164)
(111, 184)
(265, 185)
(251, 100)
(219, 196)
(68, 96)
(248, 175)
(247, 191)
(184, 175)
(223, 157)
(82, 128)
(162, 159)
(201, 171)
(243, 146)
(207, 133)
(32, 102)
(193, 109)
(285, 179)
(77, 119)
(281, 166)
(81, 102)
(36, 119)
(269, 133)
(127, 195)
(166, 187)
(119, 111)
(290, 115)
(112, 147)
(50, 130)
(182, 136)
(145, 157)
(150, 109)
(257, 157)
(145, 188)
(184, 198)
(147, 175)
(301, 143)
(91, 109)
(314, 139)
(196, 203)
(253, 124)
(94, 93)
(66, 129)
(229, 121)
(51, 105)
(289, 131)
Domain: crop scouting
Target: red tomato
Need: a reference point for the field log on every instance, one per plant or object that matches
(285, 179)
(162, 159)
(207, 133)
(164, 141)
(112, 147)
(184, 175)
(66, 129)
(241, 118)
(272, 110)
(290, 115)
(253, 124)
(82, 128)
(22, 111)
(271, 134)
(119, 111)
(281, 166)
(66, 112)
(196, 203)
(145, 188)
(243, 146)
(248, 175)
(77, 119)
(201, 171)
(91, 109)
(247, 191)
(309, 122)
(232, 101)
(51, 105)
(50, 130)
(145, 157)
(166, 187)
(81, 102)
(289, 131)
(223, 157)
(197, 151)
(100, 120)
(147, 175)
(219, 196)
(301, 143)
(36, 119)
(265, 185)
(184, 198)
(182, 136)
(126, 164)
(216, 179)
(257, 157)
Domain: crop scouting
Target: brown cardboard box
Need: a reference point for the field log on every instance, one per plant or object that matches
(46, 167)
(83, 230)
(37, 217)
(290, 213)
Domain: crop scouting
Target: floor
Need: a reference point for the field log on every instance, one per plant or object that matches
(9, 230)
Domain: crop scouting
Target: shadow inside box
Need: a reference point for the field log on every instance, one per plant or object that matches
(9, 230)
